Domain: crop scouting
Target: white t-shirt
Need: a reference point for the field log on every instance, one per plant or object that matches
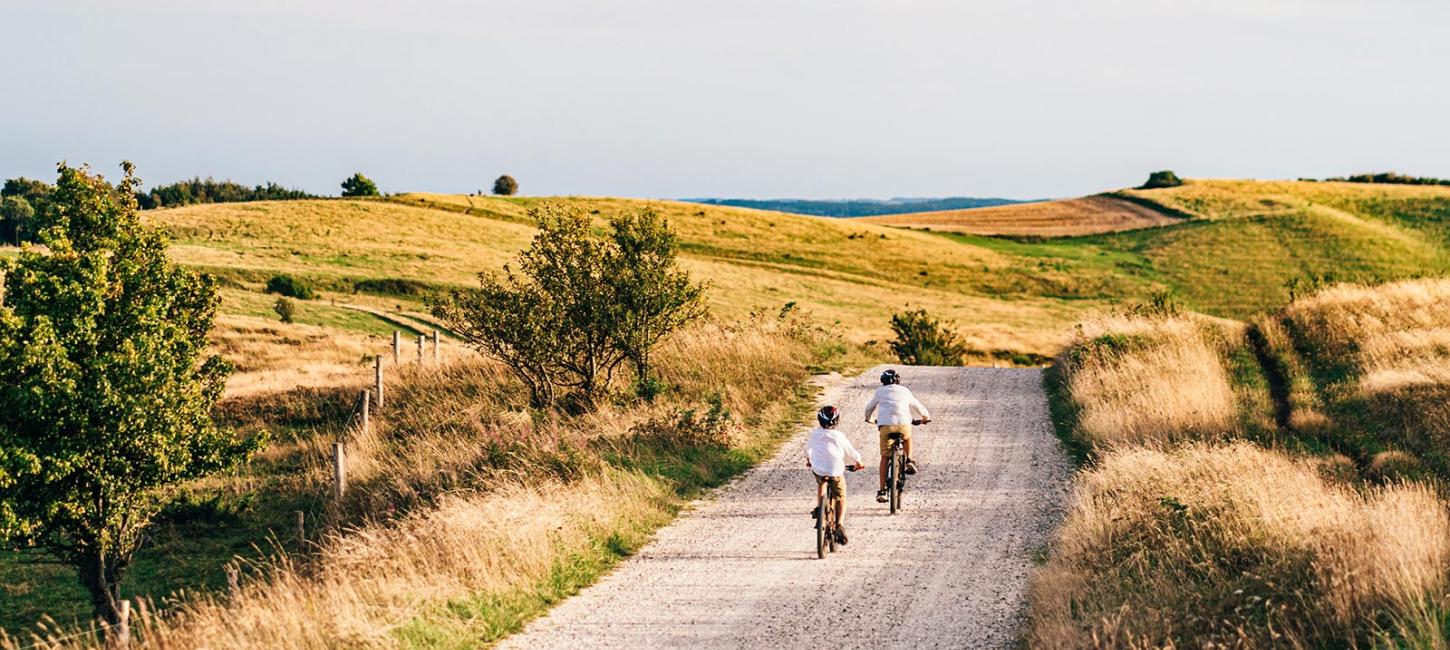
(896, 404)
(827, 450)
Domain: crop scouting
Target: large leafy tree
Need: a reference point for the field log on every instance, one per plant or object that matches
(505, 186)
(359, 185)
(105, 388)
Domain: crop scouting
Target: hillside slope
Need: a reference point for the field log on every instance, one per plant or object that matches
(1088, 215)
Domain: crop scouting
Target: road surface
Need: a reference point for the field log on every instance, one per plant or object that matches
(950, 571)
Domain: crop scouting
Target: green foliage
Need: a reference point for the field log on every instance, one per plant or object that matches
(105, 396)
(31, 190)
(15, 216)
(505, 186)
(1160, 304)
(286, 285)
(359, 185)
(393, 287)
(579, 304)
(1391, 178)
(210, 190)
(285, 309)
(922, 340)
(1164, 178)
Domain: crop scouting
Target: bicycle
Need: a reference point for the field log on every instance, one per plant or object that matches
(826, 521)
(896, 469)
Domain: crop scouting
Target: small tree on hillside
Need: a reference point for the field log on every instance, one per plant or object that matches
(359, 185)
(505, 186)
(655, 296)
(1164, 178)
(15, 215)
(922, 340)
(285, 308)
(105, 397)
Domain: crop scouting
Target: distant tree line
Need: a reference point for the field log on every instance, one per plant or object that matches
(209, 190)
(1390, 178)
(857, 207)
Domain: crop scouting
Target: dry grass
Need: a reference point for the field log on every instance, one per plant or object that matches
(1234, 546)
(466, 515)
(1153, 381)
(1089, 215)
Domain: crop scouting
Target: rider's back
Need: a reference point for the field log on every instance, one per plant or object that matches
(893, 404)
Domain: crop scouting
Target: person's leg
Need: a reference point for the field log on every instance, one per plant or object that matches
(881, 485)
(839, 489)
(907, 446)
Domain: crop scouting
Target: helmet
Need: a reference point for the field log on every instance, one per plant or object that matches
(828, 416)
(890, 377)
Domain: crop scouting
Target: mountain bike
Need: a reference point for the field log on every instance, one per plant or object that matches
(896, 469)
(826, 521)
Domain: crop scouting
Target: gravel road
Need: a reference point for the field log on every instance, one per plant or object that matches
(950, 571)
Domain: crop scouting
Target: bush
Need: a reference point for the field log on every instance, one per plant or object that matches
(15, 216)
(286, 285)
(210, 190)
(359, 185)
(579, 306)
(1164, 178)
(285, 309)
(505, 186)
(392, 287)
(925, 341)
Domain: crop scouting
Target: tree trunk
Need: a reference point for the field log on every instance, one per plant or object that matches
(101, 580)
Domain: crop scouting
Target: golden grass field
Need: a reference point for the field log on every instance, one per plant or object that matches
(1089, 215)
(1332, 530)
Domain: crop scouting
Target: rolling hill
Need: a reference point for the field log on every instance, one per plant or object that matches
(1088, 215)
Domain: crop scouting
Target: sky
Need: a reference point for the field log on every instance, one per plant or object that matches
(746, 98)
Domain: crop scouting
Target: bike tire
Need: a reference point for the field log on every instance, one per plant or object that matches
(898, 461)
(891, 494)
(821, 531)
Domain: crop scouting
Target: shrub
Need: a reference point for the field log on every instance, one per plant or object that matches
(15, 216)
(505, 186)
(286, 285)
(105, 387)
(1164, 178)
(285, 309)
(579, 305)
(922, 340)
(210, 190)
(392, 287)
(359, 185)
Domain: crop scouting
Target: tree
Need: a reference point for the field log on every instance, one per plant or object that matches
(654, 294)
(579, 304)
(31, 190)
(359, 185)
(285, 309)
(1164, 178)
(505, 186)
(286, 285)
(15, 216)
(105, 396)
(922, 340)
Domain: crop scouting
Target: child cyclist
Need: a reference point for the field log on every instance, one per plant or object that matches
(894, 406)
(826, 452)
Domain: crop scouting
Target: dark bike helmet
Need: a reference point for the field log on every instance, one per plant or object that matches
(828, 416)
(890, 377)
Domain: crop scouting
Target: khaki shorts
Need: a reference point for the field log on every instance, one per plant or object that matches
(835, 485)
(887, 430)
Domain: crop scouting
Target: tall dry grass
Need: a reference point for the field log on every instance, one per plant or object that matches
(459, 498)
(1139, 380)
(1236, 546)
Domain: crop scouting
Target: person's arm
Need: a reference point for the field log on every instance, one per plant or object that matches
(808, 451)
(871, 406)
(920, 408)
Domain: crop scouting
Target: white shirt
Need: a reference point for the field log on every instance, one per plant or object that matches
(827, 450)
(896, 404)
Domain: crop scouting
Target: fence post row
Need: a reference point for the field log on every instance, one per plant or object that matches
(435, 347)
(122, 636)
(301, 530)
(378, 379)
(397, 345)
(421, 338)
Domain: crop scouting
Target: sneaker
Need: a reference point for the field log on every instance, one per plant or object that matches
(841, 535)
(881, 496)
(910, 466)
(816, 512)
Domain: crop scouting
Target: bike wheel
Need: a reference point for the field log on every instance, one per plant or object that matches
(821, 531)
(891, 486)
(898, 462)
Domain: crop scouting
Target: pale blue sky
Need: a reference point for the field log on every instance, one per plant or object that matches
(747, 98)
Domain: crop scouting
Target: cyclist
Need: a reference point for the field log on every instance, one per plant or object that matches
(826, 452)
(894, 405)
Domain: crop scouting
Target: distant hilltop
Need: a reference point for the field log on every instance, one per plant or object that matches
(859, 207)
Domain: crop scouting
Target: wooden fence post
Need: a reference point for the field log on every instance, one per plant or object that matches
(397, 345)
(123, 624)
(301, 530)
(339, 470)
(435, 347)
(234, 583)
(421, 338)
(378, 379)
(363, 400)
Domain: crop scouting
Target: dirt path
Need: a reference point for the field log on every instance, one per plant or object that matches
(950, 571)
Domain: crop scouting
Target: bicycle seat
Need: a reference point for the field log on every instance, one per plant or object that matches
(894, 435)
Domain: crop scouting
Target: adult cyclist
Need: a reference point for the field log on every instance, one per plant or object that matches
(894, 406)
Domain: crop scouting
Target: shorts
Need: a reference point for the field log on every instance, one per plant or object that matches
(887, 430)
(835, 485)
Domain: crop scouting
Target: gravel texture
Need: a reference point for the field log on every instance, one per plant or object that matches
(950, 571)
